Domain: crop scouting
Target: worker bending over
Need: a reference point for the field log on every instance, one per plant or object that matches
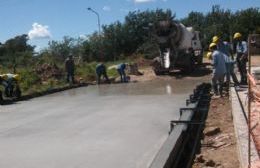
(121, 70)
(10, 82)
(101, 71)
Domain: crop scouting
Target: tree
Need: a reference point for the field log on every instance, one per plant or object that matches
(114, 40)
(223, 23)
(121, 39)
(246, 21)
(61, 50)
(137, 23)
(16, 51)
(95, 48)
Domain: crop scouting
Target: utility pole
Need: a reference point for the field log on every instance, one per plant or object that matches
(99, 32)
(90, 9)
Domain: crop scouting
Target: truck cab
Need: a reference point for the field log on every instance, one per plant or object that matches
(196, 45)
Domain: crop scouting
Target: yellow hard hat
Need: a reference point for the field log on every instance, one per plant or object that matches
(209, 55)
(215, 39)
(237, 35)
(212, 45)
(17, 77)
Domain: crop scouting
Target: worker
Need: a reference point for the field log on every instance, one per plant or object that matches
(219, 69)
(225, 48)
(230, 65)
(221, 46)
(242, 57)
(121, 70)
(101, 71)
(70, 68)
(8, 81)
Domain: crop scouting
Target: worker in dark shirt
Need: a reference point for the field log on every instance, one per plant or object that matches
(70, 68)
(242, 57)
(101, 71)
(121, 70)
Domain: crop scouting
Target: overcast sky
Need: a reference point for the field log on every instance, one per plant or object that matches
(45, 20)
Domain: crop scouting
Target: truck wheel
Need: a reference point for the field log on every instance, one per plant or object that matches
(157, 72)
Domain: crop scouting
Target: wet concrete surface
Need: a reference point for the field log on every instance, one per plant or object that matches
(112, 126)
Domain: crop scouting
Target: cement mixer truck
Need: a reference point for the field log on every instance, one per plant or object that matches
(180, 47)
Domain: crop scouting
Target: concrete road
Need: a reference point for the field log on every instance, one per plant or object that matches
(111, 126)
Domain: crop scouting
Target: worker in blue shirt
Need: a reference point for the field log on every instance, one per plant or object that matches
(230, 65)
(101, 71)
(121, 70)
(225, 48)
(242, 57)
(219, 69)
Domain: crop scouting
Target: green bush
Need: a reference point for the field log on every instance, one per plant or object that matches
(28, 79)
(87, 71)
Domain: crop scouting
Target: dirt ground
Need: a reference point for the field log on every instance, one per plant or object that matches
(218, 148)
(200, 72)
(148, 75)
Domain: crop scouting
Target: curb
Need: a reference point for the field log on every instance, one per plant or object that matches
(241, 130)
(43, 93)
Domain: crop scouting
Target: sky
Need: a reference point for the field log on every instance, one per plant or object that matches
(45, 20)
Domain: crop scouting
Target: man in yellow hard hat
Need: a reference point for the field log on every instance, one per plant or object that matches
(219, 69)
(225, 48)
(222, 46)
(242, 57)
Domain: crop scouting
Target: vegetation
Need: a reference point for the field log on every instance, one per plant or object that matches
(117, 41)
(224, 23)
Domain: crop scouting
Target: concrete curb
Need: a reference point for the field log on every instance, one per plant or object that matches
(241, 131)
(177, 150)
(49, 91)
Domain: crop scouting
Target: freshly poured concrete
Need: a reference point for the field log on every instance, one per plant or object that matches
(111, 126)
